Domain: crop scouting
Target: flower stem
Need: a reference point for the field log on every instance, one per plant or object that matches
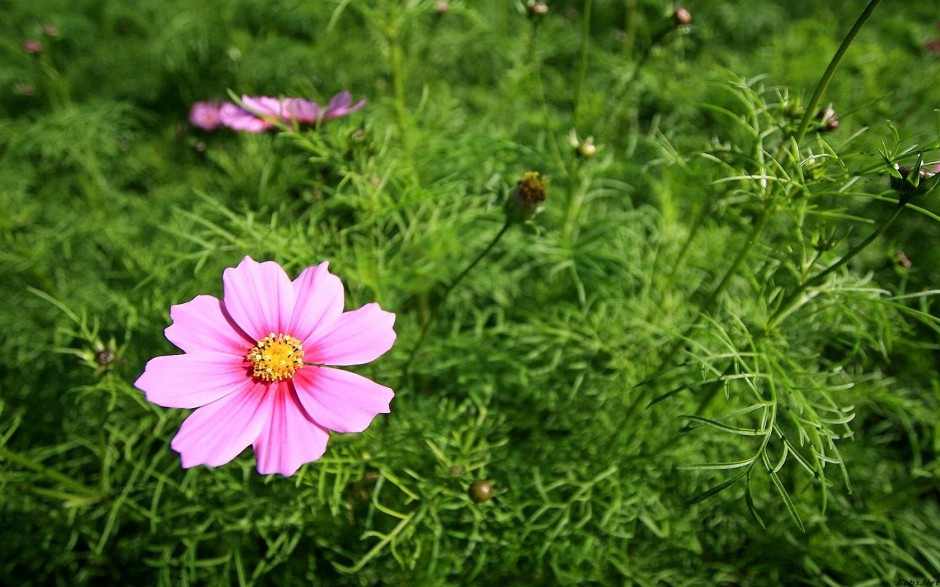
(536, 64)
(810, 113)
(397, 74)
(582, 60)
(439, 304)
(704, 308)
(787, 306)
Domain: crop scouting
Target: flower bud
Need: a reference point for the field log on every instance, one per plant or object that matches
(902, 262)
(442, 7)
(24, 89)
(682, 17)
(105, 357)
(827, 119)
(583, 148)
(536, 10)
(523, 200)
(32, 46)
(910, 181)
(480, 490)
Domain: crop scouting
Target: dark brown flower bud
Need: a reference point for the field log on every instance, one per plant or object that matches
(481, 490)
(523, 200)
(105, 357)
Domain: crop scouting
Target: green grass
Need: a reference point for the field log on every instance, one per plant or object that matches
(656, 374)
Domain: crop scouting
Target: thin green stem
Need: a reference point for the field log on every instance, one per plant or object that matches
(810, 113)
(704, 309)
(543, 100)
(582, 60)
(787, 305)
(435, 310)
(752, 237)
(398, 78)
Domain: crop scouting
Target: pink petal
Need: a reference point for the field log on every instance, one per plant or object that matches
(259, 297)
(205, 115)
(340, 101)
(264, 107)
(340, 400)
(339, 105)
(303, 111)
(237, 118)
(215, 434)
(190, 381)
(289, 439)
(352, 338)
(319, 296)
(201, 325)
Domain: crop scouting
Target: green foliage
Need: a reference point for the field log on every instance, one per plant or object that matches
(710, 359)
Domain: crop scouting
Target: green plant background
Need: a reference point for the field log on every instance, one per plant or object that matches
(537, 373)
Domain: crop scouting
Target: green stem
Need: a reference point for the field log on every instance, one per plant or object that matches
(703, 310)
(787, 306)
(435, 310)
(398, 81)
(756, 231)
(582, 61)
(540, 90)
(810, 113)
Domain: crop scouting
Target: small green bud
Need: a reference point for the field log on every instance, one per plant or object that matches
(481, 490)
(523, 200)
(584, 148)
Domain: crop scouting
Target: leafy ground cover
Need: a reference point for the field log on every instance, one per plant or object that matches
(709, 359)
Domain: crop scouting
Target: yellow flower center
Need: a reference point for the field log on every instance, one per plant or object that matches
(276, 357)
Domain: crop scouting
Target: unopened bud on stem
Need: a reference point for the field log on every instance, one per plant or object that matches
(523, 200)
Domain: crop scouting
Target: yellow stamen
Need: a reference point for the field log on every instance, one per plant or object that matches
(276, 357)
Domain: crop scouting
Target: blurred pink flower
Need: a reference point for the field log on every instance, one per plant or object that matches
(262, 113)
(32, 46)
(339, 105)
(237, 118)
(302, 111)
(253, 365)
(205, 115)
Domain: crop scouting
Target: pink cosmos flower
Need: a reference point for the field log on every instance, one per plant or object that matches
(262, 113)
(339, 105)
(253, 366)
(302, 111)
(205, 115)
(237, 118)
(32, 46)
